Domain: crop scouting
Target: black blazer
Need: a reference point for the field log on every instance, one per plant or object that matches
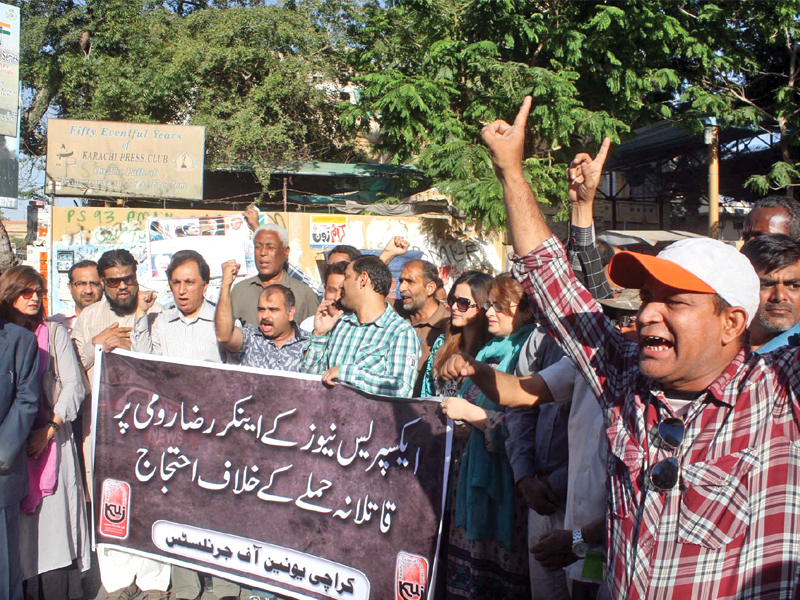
(19, 402)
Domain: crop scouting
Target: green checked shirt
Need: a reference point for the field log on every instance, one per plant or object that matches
(379, 357)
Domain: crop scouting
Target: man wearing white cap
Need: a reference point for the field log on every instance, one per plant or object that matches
(704, 455)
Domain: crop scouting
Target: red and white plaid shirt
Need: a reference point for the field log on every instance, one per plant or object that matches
(731, 528)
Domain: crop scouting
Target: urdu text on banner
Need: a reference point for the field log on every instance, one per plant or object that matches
(269, 479)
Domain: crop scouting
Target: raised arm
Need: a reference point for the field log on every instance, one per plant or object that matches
(501, 388)
(561, 304)
(227, 334)
(506, 143)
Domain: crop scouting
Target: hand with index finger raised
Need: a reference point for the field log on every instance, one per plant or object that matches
(507, 142)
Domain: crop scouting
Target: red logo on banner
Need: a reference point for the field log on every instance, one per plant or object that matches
(115, 509)
(412, 576)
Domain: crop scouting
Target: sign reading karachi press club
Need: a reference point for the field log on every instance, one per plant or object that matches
(106, 159)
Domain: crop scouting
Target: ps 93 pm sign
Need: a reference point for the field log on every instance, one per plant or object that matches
(107, 159)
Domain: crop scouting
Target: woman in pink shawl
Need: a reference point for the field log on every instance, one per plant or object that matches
(54, 534)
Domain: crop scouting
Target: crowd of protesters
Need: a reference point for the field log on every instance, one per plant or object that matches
(625, 425)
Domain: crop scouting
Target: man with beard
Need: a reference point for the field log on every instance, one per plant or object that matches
(277, 343)
(85, 287)
(418, 305)
(334, 278)
(108, 323)
(372, 347)
(271, 249)
(776, 259)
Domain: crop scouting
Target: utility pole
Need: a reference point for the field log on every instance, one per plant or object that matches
(712, 141)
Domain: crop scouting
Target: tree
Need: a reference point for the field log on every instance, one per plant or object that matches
(262, 78)
(748, 74)
(434, 70)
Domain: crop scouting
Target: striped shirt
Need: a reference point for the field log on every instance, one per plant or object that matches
(172, 334)
(730, 529)
(380, 357)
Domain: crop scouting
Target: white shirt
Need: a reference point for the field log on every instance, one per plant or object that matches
(66, 318)
(308, 324)
(586, 486)
(172, 334)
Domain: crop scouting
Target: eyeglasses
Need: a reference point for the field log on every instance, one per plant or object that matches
(80, 284)
(28, 293)
(669, 435)
(498, 308)
(114, 282)
(462, 304)
(624, 321)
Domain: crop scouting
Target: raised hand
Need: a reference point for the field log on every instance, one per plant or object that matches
(507, 142)
(230, 269)
(458, 366)
(397, 246)
(251, 216)
(325, 317)
(583, 174)
(146, 300)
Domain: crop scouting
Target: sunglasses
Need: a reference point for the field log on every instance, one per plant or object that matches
(668, 435)
(624, 321)
(28, 293)
(498, 308)
(114, 282)
(462, 304)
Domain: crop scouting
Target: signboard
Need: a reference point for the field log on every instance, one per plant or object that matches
(268, 478)
(327, 230)
(217, 239)
(9, 70)
(9, 172)
(106, 159)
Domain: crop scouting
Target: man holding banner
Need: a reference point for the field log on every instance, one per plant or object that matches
(371, 348)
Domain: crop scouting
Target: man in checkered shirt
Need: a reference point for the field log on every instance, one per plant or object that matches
(704, 460)
(372, 347)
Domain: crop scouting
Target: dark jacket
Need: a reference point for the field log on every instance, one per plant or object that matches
(19, 401)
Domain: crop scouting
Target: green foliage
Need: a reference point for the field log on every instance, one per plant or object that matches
(262, 78)
(434, 71)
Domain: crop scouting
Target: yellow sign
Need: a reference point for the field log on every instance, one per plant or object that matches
(113, 160)
(327, 230)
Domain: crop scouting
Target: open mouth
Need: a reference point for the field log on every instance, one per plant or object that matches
(654, 343)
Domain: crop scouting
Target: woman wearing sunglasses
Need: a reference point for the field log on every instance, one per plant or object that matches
(54, 535)
(488, 554)
(467, 332)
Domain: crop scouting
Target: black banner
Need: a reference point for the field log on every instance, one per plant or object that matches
(269, 479)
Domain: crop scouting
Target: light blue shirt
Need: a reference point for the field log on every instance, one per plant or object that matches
(790, 337)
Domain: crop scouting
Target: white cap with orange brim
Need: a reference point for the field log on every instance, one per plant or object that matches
(700, 265)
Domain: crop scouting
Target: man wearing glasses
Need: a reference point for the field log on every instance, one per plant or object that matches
(703, 453)
(108, 323)
(85, 287)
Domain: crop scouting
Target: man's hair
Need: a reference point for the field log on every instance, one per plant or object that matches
(439, 284)
(276, 288)
(283, 235)
(788, 204)
(116, 258)
(429, 271)
(184, 256)
(771, 252)
(337, 268)
(379, 273)
(351, 251)
(81, 265)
